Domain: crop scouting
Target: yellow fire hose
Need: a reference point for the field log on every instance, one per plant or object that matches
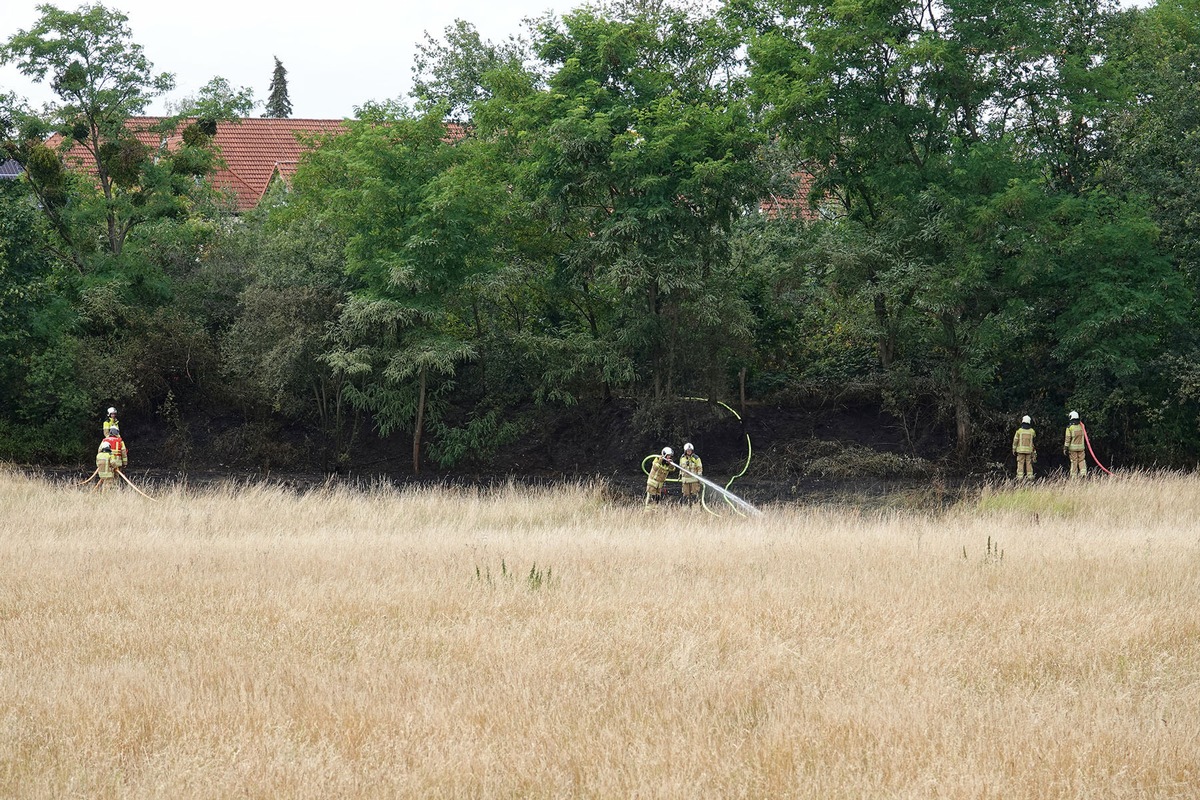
(136, 489)
(745, 467)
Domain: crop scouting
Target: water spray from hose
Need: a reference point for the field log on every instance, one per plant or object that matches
(725, 493)
(738, 504)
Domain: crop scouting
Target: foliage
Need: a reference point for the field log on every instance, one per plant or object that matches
(102, 176)
(101, 79)
(281, 284)
(452, 75)
(963, 156)
(641, 154)
(807, 329)
(1005, 223)
(216, 101)
(43, 401)
(409, 245)
(278, 103)
(24, 269)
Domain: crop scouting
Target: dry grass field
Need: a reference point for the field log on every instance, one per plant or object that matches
(1035, 642)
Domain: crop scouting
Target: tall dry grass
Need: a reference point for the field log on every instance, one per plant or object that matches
(248, 642)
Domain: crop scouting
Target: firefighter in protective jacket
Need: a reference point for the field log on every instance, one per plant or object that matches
(120, 454)
(111, 420)
(106, 468)
(691, 462)
(1074, 445)
(1024, 449)
(660, 469)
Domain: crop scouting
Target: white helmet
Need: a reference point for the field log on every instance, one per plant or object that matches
(668, 451)
(1026, 419)
(112, 411)
(1073, 415)
(687, 448)
(104, 447)
(113, 430)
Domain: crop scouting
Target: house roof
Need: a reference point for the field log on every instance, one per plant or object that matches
(254, 150)
(794, 202)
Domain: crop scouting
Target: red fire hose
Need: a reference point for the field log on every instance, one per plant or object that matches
(1088, 442)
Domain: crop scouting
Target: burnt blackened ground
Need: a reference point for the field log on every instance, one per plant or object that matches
(843, 453)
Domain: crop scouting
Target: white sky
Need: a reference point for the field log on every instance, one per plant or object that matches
(337, 56)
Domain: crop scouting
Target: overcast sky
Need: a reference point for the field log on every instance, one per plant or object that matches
(337, 56)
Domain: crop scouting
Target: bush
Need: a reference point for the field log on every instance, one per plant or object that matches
(830, 459)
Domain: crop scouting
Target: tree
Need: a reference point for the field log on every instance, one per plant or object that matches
(457, 73)
(288, 276)
(43, 400)
(1151, 155)
(106, 177)
(1151, 150)
(623, 150)
(382, 185)
(278, 104)
(961, 142)
(216, 101)
(122, 196)
(639, 154)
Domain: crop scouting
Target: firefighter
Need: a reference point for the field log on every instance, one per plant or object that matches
(691, 485)
(1024, 449)
(120, 453)
(660, 470)
(111, 420)
(1074, 445)
(106, 472)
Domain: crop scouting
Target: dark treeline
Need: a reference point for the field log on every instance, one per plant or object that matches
(1002, 219)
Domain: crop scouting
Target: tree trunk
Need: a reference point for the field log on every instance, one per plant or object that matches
(962, 424)
(322, 404)
(887, 335)
(419, 424)
(959, 392)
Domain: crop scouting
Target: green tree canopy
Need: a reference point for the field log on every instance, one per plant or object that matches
(105, 177)
(640, 153)
(961, 141)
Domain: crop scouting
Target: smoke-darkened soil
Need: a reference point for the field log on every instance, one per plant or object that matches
(836, 453)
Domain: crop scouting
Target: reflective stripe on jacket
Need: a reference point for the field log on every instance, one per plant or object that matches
(1074, 438)
(119, 451)
(104, 465)
(659, 471)
(692, 463)
(1023, 440)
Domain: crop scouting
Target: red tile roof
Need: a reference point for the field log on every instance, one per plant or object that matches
(253, 150)
(794, 201)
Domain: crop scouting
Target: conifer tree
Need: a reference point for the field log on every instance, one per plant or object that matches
(278, 104)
